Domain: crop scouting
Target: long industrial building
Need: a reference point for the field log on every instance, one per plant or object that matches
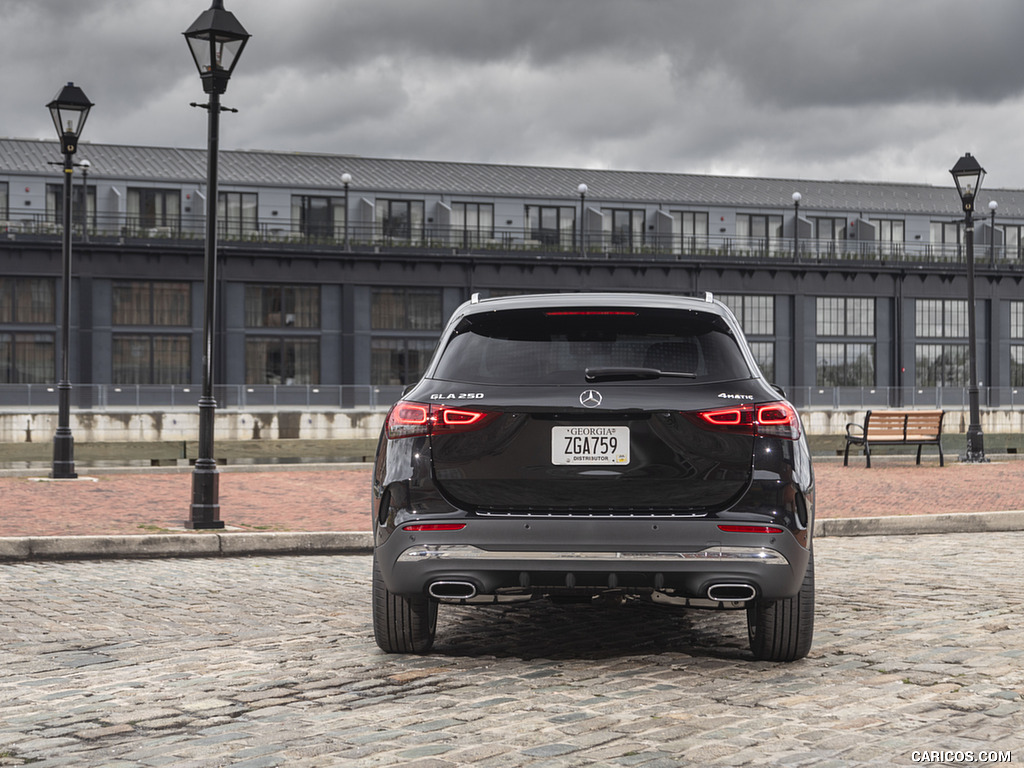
(336, 272)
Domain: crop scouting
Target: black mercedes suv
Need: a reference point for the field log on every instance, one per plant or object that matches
(571, 446)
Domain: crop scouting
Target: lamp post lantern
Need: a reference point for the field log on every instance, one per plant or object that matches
(216, 40)
(967, 175)
(69, 110)
(797, 197)
(346, 179)
(582, 189)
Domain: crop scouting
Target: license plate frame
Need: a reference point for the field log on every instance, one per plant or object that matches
(589, 445)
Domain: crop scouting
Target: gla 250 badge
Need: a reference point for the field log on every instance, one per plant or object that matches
(457, 396)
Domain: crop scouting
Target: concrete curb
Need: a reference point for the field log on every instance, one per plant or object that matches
(182, 545)
(211, 544)
(909, 525)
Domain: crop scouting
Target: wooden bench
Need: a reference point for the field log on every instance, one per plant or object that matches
(890, 428)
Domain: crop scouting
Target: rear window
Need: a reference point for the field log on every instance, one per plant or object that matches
(556, 346)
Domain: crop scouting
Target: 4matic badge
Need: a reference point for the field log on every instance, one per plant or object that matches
(731, 396)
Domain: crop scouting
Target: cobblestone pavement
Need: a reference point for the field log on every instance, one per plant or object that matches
(258, 662)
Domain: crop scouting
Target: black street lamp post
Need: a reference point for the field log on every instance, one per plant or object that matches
(216, 40)
(582, 189)
(69, 109)
(968, 174)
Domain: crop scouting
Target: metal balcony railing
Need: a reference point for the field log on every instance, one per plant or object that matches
(360, 237)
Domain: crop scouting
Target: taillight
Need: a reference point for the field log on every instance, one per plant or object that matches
(406, 419)
(778, 419)
(438, 527)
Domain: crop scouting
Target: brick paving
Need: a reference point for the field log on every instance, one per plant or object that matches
(259, 662)
(337, 498)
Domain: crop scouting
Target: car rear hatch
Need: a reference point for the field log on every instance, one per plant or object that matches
(591, 413)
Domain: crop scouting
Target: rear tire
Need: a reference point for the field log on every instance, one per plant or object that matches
(782, 630)
(402, 624)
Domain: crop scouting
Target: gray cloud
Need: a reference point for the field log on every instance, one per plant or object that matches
(872, 89)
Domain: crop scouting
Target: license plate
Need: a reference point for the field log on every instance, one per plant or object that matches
(589, 445)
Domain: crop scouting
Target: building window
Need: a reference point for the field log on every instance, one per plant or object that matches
(945, 239)
(145, 358)
(236, 214)
(1017, 349)
(400, 221)
(845, 365)
(319, 217)
(689, 231)
(4, 206)
(472, 224)
(941, 318)
(848, 363)
(151, 303)
(758, 232)
(28, 300)
(406, 309)
(552, 225)
(282, 360)
(845, 317)
(282, 306)
(83, 205)
(945, 363)
(398, 361)
(624, 228)
(764, 356)
(154, 211)
(1017, 365)
(27, 355)
(417, 312)
(1012, 241)
(1017, 319)
(756, 315)
(151, 357)
(829, 228)
(27, 358)
(889, 235)
(942, 365)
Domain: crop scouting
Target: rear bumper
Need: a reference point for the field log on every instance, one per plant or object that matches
(682, 557)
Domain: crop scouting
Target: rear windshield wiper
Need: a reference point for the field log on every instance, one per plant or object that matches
(634, 374)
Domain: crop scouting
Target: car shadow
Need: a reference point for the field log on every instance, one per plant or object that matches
(598, 630)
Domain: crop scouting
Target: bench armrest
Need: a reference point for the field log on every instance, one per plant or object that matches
(852, 426)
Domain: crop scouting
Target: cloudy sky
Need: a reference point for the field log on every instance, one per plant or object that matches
(892, 90)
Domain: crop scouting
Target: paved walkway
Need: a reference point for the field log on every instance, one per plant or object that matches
(337, 497)
(258, 662)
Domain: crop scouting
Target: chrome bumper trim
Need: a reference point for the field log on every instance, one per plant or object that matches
(762, 555)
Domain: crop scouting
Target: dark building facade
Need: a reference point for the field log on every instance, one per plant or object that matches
(860, 294)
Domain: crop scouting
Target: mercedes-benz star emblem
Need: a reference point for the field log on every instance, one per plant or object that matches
(591, 398)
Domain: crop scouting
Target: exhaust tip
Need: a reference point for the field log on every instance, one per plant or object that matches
(451, 590)
(731, 592)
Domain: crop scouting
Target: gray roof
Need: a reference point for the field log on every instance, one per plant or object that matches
(295, 170)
